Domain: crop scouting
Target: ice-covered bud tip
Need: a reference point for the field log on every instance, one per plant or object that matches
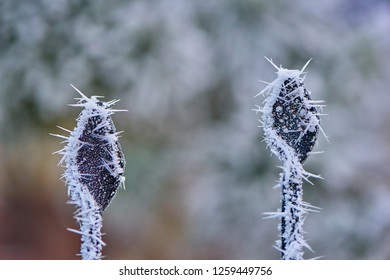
(93, 155)
(290, 112)
(294, 118)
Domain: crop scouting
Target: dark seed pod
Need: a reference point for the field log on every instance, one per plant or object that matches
(93, 154)
(100, 158)
(295, 119)
(290, 117)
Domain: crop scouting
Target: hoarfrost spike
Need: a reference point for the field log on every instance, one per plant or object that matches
(94, 169)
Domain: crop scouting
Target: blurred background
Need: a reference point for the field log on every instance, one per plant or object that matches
(198, 176)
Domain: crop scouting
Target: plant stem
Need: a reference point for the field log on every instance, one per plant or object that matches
(293, 213)
(89, 217)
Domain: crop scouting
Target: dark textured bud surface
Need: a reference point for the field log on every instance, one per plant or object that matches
(97, 159)
(294, 119)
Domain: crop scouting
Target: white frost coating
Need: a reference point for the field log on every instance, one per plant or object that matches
(291, 123)
(94, 168)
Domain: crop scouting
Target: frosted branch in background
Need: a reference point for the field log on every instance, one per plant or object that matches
(94, 169)
(291, 124)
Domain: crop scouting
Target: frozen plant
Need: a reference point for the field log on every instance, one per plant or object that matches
(291, 123)
(94, 168)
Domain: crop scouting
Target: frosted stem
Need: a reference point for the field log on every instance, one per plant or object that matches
(291, 223)
(89, 217)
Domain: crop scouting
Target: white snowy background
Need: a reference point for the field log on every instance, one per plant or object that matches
(198, 176)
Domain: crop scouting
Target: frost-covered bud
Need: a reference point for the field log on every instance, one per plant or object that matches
(294, 118)
(99, 158)
(291, 114)
(93, 154)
